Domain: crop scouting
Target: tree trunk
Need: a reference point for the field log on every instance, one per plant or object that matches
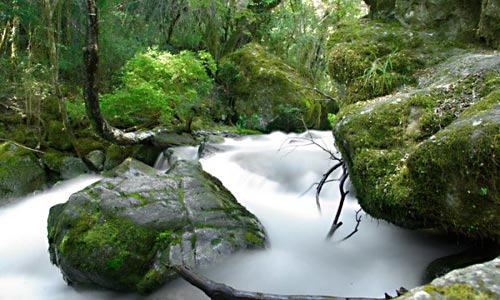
(91, 92)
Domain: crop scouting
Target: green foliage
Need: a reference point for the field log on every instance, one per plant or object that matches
(331, 119)
(158, 86)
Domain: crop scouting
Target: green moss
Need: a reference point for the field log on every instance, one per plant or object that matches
(488, 102)
(253, 240)
(101, 243)
(267, 93)
(372, 58)
(457, 291)
(408, 170)
(20, 171)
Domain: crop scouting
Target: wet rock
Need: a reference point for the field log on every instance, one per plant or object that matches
(124, 232)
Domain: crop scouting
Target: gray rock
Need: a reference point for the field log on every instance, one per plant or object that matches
(73, 167)
(124, 232)
(97, 158)
(481, 281)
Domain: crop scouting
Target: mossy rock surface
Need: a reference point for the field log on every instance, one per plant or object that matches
(368, 59)
(124, 232)
(477, 282)
(20, 172)
(452, 20)
(430, 157)
(267, 93)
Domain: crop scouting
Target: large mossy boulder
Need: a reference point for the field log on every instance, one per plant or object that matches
(368, 59)
(125, 232)
(457, 20)
(20, 172)
(430, 157)
(267, 93)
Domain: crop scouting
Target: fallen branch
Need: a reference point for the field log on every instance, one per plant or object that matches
(22, 146)
(220, 291)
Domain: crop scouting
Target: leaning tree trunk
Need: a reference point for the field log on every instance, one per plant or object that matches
(91, 92)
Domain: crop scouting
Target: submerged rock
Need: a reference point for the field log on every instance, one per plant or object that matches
(124, 232)
(430, 157)
(20, 172)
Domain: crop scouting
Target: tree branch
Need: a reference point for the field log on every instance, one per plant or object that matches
(343, 193)
(219, 291)
(323, 180)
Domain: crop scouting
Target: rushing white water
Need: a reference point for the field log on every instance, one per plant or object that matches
(25, 269)
(267, 174)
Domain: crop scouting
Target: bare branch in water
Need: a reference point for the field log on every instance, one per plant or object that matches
(343, 193)
(220, 291)
(358, 221)
(323, 180)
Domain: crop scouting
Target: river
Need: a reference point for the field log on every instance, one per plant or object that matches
(268, 174)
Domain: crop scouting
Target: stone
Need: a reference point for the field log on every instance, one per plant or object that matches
(124, 232)
(269, 94)
(429, 156)
(97, 158)
(489, 25)
(476, 282)
(20, 172)
(73, 167)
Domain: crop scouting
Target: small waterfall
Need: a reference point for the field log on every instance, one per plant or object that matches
(171, 155)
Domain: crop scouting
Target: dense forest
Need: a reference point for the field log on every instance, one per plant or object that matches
(410, 90)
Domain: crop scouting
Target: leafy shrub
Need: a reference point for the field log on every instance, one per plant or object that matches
(159, 86)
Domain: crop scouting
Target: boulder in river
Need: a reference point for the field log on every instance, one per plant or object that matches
(430, 156)
(477, 282)
(124, 232)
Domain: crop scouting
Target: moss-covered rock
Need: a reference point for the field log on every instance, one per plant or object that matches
(58, 137)
(20, 172)
(430, 157)
(368, 59)
(455, 20)
(489, 25)
(116, 154)
(125, 232)
(267, 93)
(477, 282)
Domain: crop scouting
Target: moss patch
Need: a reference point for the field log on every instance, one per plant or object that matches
(427, 159)
(368, 59)
(267, 93)
(20, 171)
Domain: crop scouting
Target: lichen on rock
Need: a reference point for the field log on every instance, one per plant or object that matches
(124, 232)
